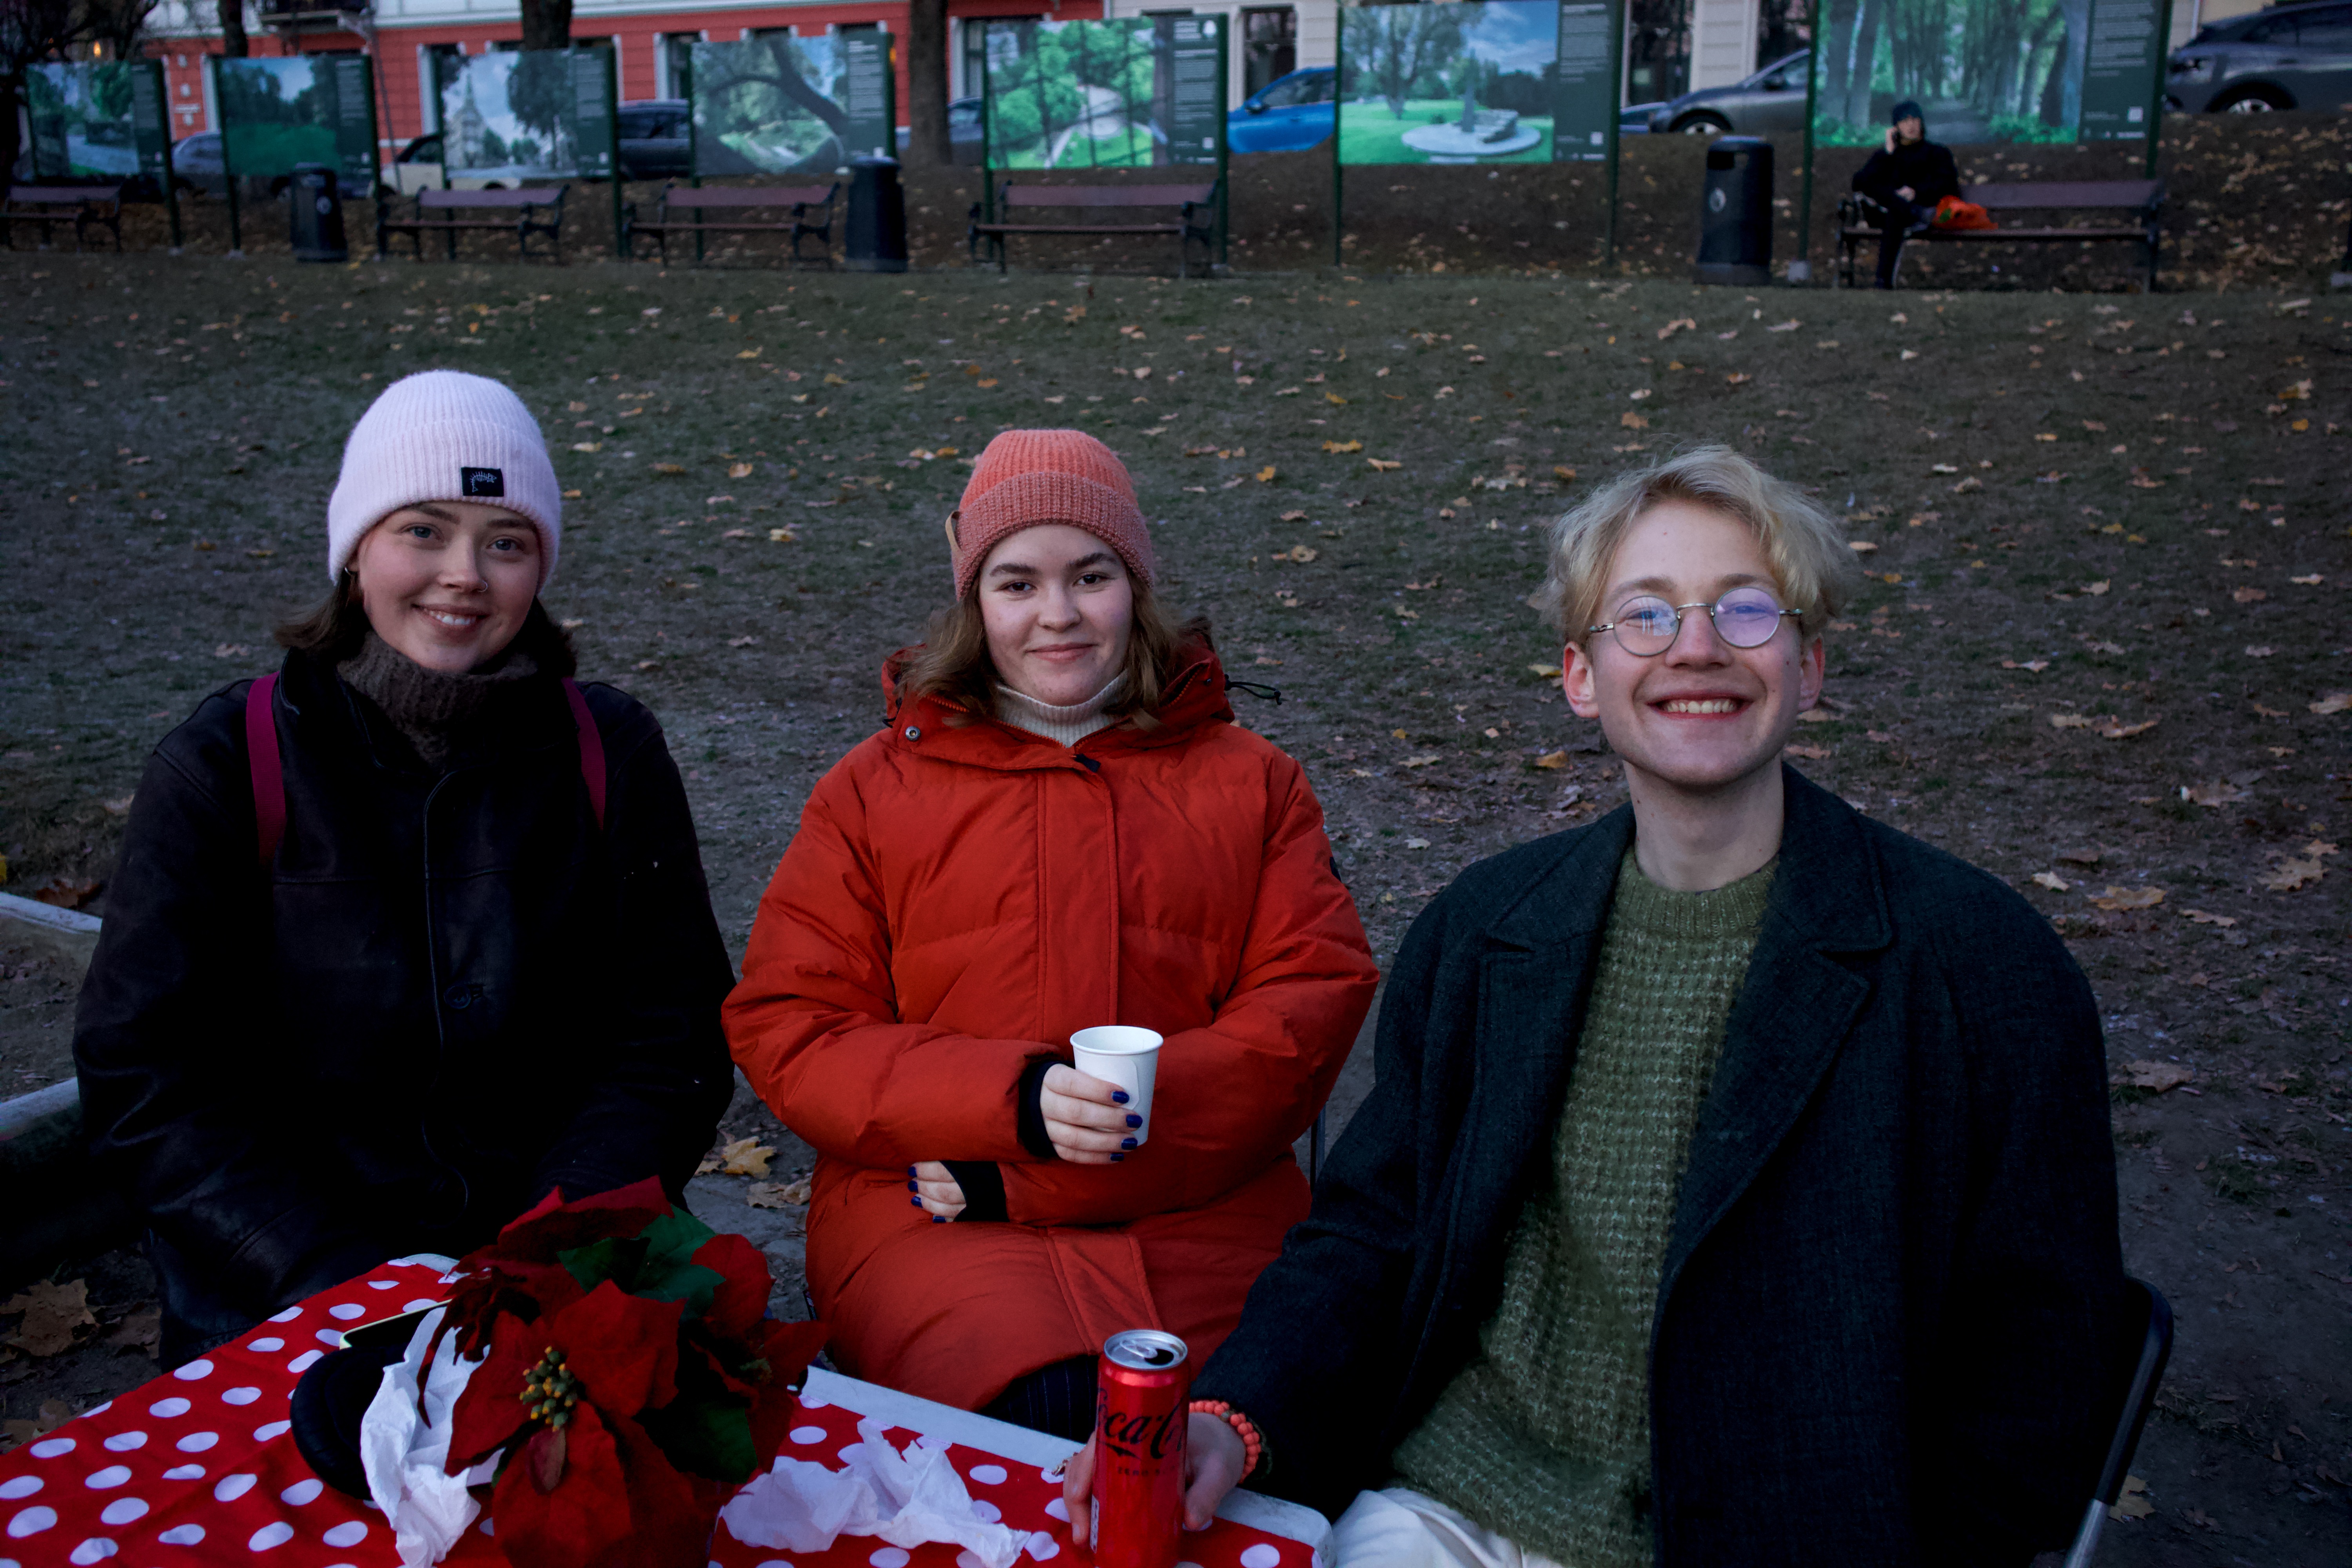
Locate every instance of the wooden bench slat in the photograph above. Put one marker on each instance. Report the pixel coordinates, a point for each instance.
(1019, 195)
(536, 209)
(80, 205)
(535, 196)
(810, 207)
(2063, 194)
(1081, 228)
(726, 196)
(2144, 197)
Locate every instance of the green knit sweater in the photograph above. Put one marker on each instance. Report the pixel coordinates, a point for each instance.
(1545, 1436)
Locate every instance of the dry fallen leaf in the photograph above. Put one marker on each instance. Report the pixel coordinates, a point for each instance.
(53, 1413)
(744, 1157)
(777, 1194)
(1420, 762)
(669, 467)
(740, 472)
(140, 1330)
(2288, 876)
(2124, 731)
(1544, 671)
(1416, 843)
(2203, 919)
(1552, 760)
(1811, 753)
(1632, 421)
(2070, 722)
(2117, 898)
(52, 1313)
(1266, 474)
(1293, 516)
(1383, 465)
(2052, 881)
(2130, 1503)
(2032, 665)
(2333, 702)
(2157, 1076)
(1862, 547)
(2249, 595)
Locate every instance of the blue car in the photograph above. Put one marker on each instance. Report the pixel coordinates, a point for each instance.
(1286, 114)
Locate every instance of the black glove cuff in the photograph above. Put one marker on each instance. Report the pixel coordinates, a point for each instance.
(983, 1188)
(1030, 1123)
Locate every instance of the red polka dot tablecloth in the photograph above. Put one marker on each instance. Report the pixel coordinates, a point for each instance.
(198, 1468)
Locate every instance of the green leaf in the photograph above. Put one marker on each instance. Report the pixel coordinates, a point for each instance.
(667, 1272)
(689, 1282)
(616, 1257)
(706, 1435)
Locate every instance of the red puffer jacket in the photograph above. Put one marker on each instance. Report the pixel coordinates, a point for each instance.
(960, 899)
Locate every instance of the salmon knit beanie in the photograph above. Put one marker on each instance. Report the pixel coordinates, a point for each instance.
(443, 435)
(1028, 477)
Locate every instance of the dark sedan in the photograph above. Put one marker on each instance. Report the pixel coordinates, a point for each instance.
(2290, 57)
(1773, 99)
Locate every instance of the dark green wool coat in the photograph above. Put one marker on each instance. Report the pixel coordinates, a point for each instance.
(1885, 1325)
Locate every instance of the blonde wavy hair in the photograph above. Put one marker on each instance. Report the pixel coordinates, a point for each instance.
(1811, 563)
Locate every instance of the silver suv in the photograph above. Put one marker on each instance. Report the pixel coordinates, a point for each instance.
(2290, 57)
(1773, 99)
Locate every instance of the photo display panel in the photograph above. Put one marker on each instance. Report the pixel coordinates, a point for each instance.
(776, 104)
(1144, 92)
(301, 109)
(1988, 72)
(1467, 83)
(97, 119)
(536, 114)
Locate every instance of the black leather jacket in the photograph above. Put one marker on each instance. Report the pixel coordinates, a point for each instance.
(445, 996)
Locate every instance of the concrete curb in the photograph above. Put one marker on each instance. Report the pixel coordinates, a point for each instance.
(59, 1209)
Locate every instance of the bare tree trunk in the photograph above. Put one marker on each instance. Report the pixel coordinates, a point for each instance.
(926, 84)
(546, 24)
(233, 43)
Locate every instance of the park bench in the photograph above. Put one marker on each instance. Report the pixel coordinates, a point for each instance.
(2144, 199)
(45, 205)
(1195, 215)
(801, 205)
(535, 211)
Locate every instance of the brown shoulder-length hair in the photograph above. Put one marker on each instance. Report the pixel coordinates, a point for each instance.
(952, 664)
(336, 628)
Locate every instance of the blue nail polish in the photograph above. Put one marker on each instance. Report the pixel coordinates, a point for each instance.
(939, 1219)
(1127, 1144)
(1119, 1096)
(1133, 1119)
(1117, 1158)
(916, 1202)
(913, 1185)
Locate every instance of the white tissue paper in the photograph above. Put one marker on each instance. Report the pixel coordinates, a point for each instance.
(403, 1453)
(903, 1499)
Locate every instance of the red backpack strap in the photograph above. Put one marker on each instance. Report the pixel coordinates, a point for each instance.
(591, 749)
(268, 773)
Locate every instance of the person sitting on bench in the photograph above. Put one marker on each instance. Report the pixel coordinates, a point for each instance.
(1735, 1185)
(1906, 177)
(412, 932)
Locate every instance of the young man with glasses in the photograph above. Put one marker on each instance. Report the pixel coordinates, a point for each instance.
(1737, 1186)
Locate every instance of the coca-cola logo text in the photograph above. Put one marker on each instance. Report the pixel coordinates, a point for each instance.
(1137, 1435)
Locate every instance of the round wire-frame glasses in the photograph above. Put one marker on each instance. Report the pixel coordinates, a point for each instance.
(1646, 625)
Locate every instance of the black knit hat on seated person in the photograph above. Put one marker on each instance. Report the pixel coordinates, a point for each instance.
(1907, 110)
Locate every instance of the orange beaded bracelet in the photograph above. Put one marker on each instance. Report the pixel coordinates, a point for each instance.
(1244, 1428)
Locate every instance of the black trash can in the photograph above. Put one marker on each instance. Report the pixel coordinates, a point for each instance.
(1735, 219)
(317, 214)
(876, 239)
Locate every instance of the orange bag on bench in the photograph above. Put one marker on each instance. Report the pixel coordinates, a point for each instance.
(1954, 213)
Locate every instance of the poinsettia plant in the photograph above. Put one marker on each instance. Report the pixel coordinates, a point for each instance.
(628, 1371)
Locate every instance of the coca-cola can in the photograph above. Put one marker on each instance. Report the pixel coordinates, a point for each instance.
(1139, 1420)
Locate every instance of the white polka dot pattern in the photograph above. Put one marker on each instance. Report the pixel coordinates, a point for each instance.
(196, 1442)
(347, 1311)
(122, 1510)
(17, 1487)
(123, 1442)
(351, 1532)
(1260, 1556)
(184, 1473)
(51, 1447)
(97, 1548)
(113, 1475)
(167, 1408)
(274, 1429)
(303, 1491)
(231, 1488)
(183, 1535)
(270, 1535)
(266, 1344)
(195, 1371)
(31, 1521)
(988, 1474)
(305, 1361)
(889, 1557)
(808, 1435)
(240, 1396)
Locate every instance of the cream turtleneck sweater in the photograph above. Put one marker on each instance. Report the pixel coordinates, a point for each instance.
(1066, 726)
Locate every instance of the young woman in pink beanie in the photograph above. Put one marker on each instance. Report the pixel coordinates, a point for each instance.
(412, 931)
(1059, 826)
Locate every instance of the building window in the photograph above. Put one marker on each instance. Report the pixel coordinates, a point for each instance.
(1269, 46)
(676, 58)
(1782, 28)
(973, 58)
(438, 65)
(1657, 49)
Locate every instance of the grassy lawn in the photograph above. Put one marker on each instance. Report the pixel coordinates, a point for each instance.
(2102, 654)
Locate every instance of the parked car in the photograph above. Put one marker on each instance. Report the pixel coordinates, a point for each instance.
(417, 167)
(2290, 57)
(1633, 119)
(1287, 113)
(1773, 99)
(967, 135)
(656, 139)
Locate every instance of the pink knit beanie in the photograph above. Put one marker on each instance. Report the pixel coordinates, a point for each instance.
(443, 435)
(1028, 477)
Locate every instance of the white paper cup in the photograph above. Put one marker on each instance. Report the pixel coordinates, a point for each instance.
(1127, 1057)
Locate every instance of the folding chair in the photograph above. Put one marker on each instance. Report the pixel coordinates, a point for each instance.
(2147, 1328)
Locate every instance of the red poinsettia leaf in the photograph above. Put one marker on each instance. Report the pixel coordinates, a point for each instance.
(742, 1294)
(788, 1348)
(491, 1411)
(577, 1524)
(670, 1513)
(621, 1348)
(554, 1225)
(524, 1292)
(543, 1456)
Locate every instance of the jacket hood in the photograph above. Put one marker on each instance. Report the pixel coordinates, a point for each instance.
(1195, 697)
